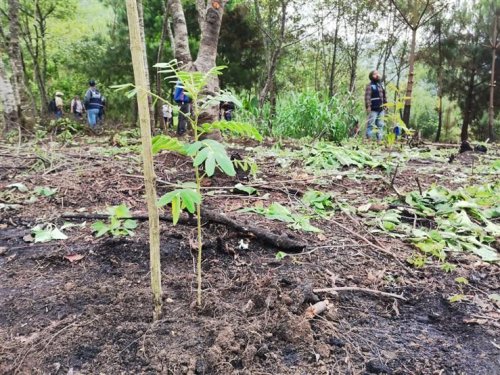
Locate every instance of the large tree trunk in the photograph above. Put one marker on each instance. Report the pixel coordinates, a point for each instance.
(491, 109)
(8, 100)
(411, 75)
(182, 52)
(467, 111)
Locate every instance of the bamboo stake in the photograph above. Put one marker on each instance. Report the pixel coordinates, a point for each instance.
(136, 48)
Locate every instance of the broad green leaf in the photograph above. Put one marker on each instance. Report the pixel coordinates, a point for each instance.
(130, 224)
(280, 255)
(45, 191)
(42, 235)
(100, 228)
(165, 142)
(210, 164)
(190, 198)
(56, 234)
(246, 189)
(176, 209)
(457, 298)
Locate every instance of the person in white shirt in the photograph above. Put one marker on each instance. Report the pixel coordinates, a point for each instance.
(77, 107)
(168, 122)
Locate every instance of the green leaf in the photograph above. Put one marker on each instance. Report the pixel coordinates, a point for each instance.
(457, 298)
(210, 164)
(165, 142)
(461, 280)
(130, 224)
(120, 211)
(56, 234)
(246, 189)
(190, 198)
(100, 228)
(280, 255)
(45, 191)
(176, 209)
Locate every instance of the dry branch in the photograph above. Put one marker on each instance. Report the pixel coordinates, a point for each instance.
(282, 242)
(358, 289)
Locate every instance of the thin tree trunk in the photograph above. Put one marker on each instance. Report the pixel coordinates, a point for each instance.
(140, 10)
(464, 136)
(159, 58)
(331, 88)
(491, 109)
(137, 50)
(354, 64)
(440, 86)
(411, 74)
(273, 63)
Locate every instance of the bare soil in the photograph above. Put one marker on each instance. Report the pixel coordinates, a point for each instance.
(94, 315)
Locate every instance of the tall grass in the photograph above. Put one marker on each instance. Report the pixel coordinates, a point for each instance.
(305, 114)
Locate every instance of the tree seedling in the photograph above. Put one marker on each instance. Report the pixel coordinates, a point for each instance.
(119, 223)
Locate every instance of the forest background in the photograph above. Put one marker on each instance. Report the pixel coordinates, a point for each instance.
(299, 69)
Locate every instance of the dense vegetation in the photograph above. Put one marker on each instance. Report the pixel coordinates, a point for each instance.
(300, 71)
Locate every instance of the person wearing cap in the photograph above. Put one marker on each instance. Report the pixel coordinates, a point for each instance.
(59, 104)
(93, 104)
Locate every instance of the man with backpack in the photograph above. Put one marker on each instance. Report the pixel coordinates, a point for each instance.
(375, 102)
(93, 104)
(184, 103)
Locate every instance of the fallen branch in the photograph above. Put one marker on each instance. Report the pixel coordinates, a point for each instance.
(358, 289)
(282, 242)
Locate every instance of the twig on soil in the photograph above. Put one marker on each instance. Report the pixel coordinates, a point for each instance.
(358, 289)
(419, 186)
(367, 241)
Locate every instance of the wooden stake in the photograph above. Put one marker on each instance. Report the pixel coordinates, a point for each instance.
(136, 48)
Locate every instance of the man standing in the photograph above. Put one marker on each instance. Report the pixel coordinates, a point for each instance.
(77, 108)
(375, 101)
(184, 103)
(93, 104)
(59, 104)
(166, 110)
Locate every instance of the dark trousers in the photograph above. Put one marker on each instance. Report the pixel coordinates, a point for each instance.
(184, 113)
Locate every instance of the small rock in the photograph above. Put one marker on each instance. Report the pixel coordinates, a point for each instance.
(377, 367)
(334, 341)
(262, 351)
(3, 250)
(169, 300)
(323, 350)
(68, 286)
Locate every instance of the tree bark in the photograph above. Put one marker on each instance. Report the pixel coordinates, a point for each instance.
(140, 10)
(182, 52)
(137, 50)
(159, 58)
(331, 87)
(464, 136)
(411, 75)
(491, 109)
(354, 60)
(440, 85)
(7, 96)
(272, 64)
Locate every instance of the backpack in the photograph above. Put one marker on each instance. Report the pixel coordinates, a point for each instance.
(179, 96)
(52, 106)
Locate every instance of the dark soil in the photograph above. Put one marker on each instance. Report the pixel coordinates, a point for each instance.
(94, 316)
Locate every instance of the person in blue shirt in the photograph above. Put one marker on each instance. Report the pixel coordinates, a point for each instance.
(93, 104)
(375, 104)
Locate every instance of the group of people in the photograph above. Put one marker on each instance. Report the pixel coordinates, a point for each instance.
(94, 105)
(226, 109)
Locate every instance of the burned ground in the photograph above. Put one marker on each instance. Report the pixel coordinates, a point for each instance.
(94, 315)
